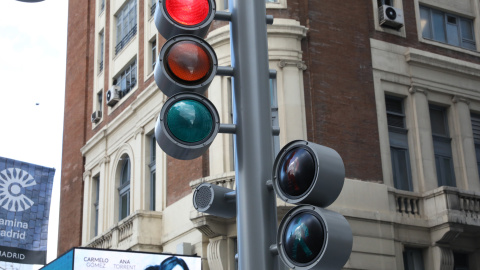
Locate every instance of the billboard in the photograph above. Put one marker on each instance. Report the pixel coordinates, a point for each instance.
(25, 195)
(96, 259)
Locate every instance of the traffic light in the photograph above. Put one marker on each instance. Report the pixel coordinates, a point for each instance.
(309, 236)
(185, 63)
(188, 122)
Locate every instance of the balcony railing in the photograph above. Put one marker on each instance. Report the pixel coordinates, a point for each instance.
(126, 39)
(127, 233)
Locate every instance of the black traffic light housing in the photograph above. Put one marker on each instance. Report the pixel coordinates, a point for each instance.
(309, 236)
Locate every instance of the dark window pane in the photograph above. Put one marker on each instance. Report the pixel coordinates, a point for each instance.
(453, 35)
(439, 26)
(401, 169)
(425, 22)
(438, 121)
(413, 259)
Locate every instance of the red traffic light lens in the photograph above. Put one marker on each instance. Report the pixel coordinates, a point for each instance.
(304, 238)
(296, 172)
(188, 61)
(188, 12)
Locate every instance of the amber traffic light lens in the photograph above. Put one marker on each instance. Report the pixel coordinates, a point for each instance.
(188, 61)
(188, 12)
(297, 172)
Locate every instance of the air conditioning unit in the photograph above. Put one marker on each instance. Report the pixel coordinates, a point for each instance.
(390, 17)
(96, 116)
(113, 95)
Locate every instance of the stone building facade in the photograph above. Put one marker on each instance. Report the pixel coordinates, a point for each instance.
(401, 106)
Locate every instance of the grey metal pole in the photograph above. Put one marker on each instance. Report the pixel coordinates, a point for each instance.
(256, 204)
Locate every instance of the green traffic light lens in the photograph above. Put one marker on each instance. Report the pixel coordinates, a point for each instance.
(296, 172)
(304, 238)
(189, 121)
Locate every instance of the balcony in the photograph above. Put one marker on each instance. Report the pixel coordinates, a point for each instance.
(133, 233)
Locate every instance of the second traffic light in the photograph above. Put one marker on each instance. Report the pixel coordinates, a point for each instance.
(309, 236)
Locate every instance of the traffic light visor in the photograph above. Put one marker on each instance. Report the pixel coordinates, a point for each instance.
(188, 61)
(188, 12)
(189, 121)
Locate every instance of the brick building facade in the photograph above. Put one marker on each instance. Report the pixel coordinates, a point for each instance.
(342, 81)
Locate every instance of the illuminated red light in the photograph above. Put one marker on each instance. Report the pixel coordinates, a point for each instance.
(188, 61)
(188, 12)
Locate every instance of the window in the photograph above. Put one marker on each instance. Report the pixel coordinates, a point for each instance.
(127, 79)
(101, 41)
(126, 24)
(397, 132)
(153, 6)
(476, 136)
(460, 261)
(102, 6)
(413, 259)
(100, 100)
(442, 146)
(153, 169)
(124, 189)
(96, 199)
(153, 46)
(447, 28)
(385, 2)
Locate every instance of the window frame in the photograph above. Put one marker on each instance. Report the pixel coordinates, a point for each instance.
(445, 26)
(398, 141)
(125, 25)
(412, 257)
(153, 171)
(124, 188)
(96, 203)
(128, 73)
(442, 147)
(101, 50)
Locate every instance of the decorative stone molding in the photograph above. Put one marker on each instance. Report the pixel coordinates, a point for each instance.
(299, 64)
(450, 236)
(457, 99)
(105, 160)
(140, 130)
(86, 175)
(217, 253)
(446, 258)
(418, 89)
(208, 225)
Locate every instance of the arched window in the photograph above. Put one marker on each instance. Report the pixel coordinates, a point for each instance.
(124, 188)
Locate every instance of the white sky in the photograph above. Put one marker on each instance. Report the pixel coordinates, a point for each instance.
(33, 40)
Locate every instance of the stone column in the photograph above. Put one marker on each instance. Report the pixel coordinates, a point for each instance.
(423, 143)
(464, 146)
(87, 207)
(291, 101)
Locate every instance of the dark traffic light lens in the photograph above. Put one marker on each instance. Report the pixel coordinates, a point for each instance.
(189, 121)
(188, 12)
(188, 61)
(296, 172)
(303, 238)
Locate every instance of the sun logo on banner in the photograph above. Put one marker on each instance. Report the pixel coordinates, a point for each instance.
(13, 182)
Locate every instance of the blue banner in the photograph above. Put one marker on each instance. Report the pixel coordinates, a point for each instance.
(25, 195)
